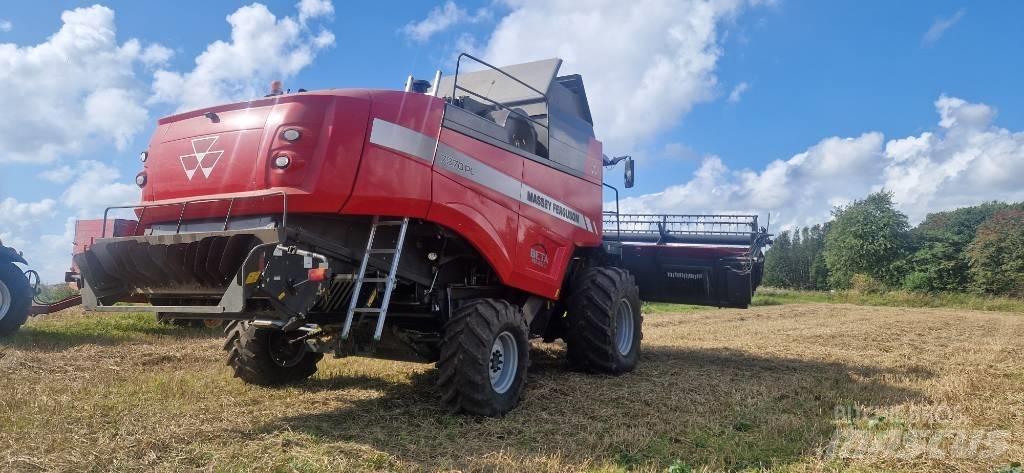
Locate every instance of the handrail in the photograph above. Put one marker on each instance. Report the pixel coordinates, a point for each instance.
(681, 224)
(185, 203)
(547, 105)
(618, 219)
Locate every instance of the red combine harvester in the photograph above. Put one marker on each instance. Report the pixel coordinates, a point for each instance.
(451, 222)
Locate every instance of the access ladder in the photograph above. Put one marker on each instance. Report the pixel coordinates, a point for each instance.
(389, 281)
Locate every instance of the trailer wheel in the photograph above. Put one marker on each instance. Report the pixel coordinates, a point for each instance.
(484, 357)
(266, 356)
(15, 298)
(604, 321)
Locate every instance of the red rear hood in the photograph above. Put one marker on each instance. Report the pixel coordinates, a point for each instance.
(230, 148)
(208, 153)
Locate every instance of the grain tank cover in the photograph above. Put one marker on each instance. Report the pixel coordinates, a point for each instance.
(499, 87)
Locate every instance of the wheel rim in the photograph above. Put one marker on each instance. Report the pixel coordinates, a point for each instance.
(284, 353)
(5, 300)
(504, 362)
(624, 327)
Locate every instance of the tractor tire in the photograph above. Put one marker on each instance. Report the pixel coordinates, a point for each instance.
(604, 323)
(15, 298)
(484, 356)
(265, 357)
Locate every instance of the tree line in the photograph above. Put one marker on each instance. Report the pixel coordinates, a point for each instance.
(870, 245)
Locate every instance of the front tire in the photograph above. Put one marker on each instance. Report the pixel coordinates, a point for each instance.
(604, 321)
(15, 298)
(266, 357)
(484, 357)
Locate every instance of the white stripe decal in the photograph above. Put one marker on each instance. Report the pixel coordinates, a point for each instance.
(399, 138)
(459, 163)
(552, 207)
(412, 142)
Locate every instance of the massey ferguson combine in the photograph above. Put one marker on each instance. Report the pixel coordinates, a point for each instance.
(451, 223)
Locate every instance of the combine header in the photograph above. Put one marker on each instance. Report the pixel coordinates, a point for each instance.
(451, 223)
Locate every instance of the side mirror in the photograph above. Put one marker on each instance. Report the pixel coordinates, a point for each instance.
(630, 173)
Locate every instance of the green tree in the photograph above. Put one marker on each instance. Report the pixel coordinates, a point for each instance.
(939, 260)
(777, 261)
(996, 255)
(795, 259)
(819, 271)
(867, 237)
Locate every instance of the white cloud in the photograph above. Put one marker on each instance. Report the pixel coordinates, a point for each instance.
(940, 26)
(309, 9)
(49, 254)
(15, 214)
(58, 175)
(20, 222)
(645, 63)
(44, 230)
(737, 92)
(96, 187)
(964, 161)
(156, 55)
(441, 18)
(262, 48)
(6, 25)
(76, 88)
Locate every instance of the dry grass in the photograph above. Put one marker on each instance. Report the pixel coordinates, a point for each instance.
(716, 390)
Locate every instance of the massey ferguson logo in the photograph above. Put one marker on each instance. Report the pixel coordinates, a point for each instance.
(203, 158)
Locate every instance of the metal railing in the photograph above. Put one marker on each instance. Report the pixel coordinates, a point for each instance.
(543, 95)
(606, 216)
(680, 226)
(184, 206)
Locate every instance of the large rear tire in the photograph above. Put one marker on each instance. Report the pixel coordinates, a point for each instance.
(266, 357)
(15, 298)
(604, 324)
(484, 357)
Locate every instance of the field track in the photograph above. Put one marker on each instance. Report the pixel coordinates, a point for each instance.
(716, 389)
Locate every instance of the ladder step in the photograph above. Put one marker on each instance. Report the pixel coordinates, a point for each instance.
(389, 281)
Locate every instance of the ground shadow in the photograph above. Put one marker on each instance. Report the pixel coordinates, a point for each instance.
(56, 337)
(718, 407)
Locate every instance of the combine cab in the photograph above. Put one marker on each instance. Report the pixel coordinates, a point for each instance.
(449, 223)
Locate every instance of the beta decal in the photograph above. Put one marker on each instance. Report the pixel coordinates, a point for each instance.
(539, 256)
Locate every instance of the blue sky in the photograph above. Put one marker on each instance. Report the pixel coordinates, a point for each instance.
(783, 106)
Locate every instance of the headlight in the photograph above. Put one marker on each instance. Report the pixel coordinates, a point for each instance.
(291, 134)
(282, 162)
(143, 156)
(140, 179)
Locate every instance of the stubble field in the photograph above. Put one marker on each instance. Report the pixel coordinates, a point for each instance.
(796, 387)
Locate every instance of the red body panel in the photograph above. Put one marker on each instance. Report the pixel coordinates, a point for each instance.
(391, 182)
(376, 153)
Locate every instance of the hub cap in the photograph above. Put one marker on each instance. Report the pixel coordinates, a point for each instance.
(284, 353)
(504, 362)
(5, 300)
(624, 327)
